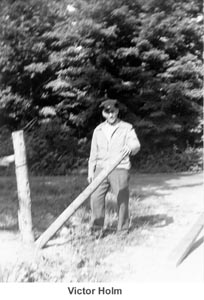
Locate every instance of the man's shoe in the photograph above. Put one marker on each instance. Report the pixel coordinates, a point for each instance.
(122, 233)
(96, 232)
(108, 230)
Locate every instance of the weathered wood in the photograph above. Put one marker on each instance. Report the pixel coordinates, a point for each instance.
(184, 247)
(24, 211)
(6, 160)
(69, 211)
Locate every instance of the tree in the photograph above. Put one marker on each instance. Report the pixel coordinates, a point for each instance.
(60, 58)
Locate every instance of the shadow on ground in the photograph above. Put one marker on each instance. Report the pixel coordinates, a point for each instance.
(51, 195)
(157, 220)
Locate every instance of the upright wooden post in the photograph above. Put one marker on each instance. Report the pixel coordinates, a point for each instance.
(69, 211)
(24, 212)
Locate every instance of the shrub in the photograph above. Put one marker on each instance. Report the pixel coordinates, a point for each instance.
(51, 149)
(170, 160)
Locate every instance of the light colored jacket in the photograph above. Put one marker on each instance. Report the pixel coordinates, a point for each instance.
(103, 150)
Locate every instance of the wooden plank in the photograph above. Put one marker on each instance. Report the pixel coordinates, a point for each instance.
(24, 211)
(184, 247)
(6, 160)
(69, 211)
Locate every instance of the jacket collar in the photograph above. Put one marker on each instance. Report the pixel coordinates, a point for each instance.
(105, 122)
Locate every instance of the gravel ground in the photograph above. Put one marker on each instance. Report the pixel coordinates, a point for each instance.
(174, 199)
(180, 201)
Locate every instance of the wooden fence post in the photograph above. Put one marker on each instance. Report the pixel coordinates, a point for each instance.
(69, 211)
(6, 160)
(184, 247)
(24, 211)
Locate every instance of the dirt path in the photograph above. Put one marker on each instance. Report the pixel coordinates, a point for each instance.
(181, 201)
(171, 204)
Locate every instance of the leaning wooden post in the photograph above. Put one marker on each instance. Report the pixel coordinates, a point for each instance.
(184, 247)
(69, 211)
(24, 211)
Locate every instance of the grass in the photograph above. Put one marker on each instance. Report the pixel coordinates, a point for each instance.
(73, 255)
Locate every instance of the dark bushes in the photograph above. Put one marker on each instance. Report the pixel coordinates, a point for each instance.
(51, 150)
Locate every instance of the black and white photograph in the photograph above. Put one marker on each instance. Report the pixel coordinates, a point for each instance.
(101, 146)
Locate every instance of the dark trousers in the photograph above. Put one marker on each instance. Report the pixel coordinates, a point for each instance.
(118, 181)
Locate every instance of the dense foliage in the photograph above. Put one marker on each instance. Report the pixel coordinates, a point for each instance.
(59, 59)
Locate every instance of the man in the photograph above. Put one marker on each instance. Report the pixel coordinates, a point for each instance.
(109, 139)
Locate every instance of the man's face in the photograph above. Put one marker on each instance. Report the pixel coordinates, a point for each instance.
(111, 115)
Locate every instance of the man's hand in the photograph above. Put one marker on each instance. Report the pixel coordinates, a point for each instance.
(90, 177)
